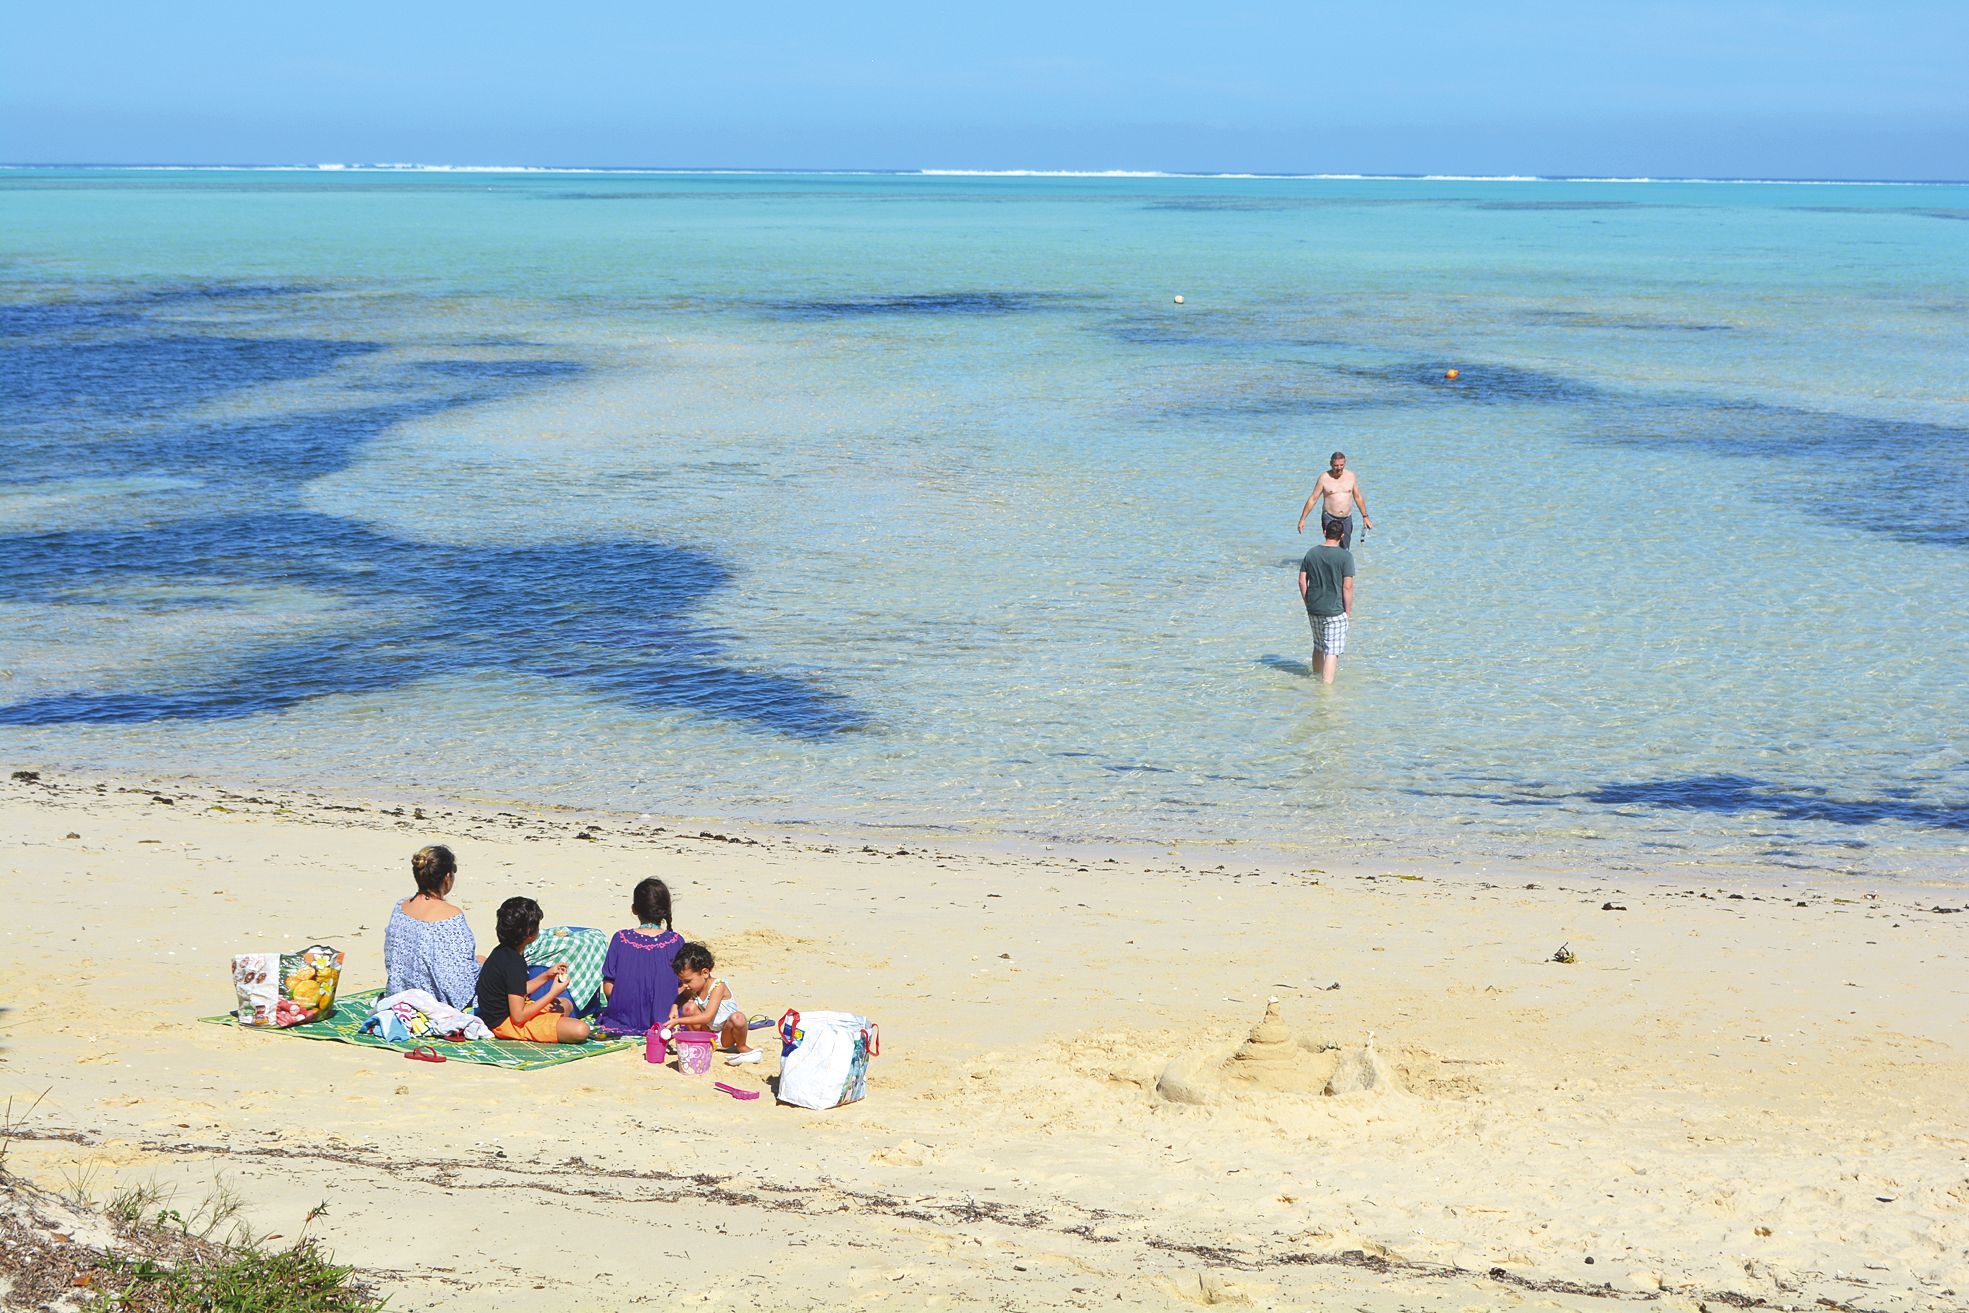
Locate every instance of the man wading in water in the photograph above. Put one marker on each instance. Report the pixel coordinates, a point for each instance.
(1342, 492)
(1326, 583)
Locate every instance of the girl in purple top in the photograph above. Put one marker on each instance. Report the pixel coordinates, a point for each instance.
(639, 976)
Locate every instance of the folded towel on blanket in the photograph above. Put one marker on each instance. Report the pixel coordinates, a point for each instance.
(417, 1014)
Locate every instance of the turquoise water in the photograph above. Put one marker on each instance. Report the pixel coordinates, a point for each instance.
(895, 500)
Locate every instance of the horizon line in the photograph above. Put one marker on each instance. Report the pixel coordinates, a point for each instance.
(933, 172)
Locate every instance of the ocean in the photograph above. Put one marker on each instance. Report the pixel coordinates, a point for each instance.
(916, 504)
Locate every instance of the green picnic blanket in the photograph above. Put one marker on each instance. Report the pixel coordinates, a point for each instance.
(351, 1010)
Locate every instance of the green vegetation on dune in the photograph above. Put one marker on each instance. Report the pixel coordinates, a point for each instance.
(137, 1254)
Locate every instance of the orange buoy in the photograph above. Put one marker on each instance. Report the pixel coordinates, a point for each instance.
(1452, 374)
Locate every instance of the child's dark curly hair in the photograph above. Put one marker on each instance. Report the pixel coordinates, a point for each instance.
(693, 957)
(518, 919)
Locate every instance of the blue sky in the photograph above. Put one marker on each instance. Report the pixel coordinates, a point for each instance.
(1799, 89)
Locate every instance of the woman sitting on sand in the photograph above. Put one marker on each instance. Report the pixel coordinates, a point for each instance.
(639, 976)
(427, 944)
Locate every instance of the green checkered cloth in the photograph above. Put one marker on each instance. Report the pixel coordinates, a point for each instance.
(582, 949)
(344, 1024)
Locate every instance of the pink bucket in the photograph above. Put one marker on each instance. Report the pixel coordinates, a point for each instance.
(694, 1051)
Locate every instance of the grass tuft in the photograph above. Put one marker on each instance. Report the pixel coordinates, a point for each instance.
(10, 1123)
(162, 1260)
(237, 1279)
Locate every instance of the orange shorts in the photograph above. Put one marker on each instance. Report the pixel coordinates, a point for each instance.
(543, 1029)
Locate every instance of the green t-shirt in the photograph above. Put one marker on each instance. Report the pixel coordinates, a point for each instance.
(1324, 568)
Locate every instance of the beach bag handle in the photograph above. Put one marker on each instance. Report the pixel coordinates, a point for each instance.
(790, 1036)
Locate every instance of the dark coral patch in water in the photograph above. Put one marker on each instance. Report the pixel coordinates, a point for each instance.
(610, 617)
(1737, 794)
(1479, 383)
(1921, 470)
(922, 303)
(128, 378)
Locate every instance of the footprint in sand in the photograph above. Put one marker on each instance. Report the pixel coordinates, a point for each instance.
(1210, 1289)
(906, 1154)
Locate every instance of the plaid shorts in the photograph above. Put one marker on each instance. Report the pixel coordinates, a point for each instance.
(1329, 634)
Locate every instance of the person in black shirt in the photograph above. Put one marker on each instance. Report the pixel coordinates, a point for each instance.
(504, 1004)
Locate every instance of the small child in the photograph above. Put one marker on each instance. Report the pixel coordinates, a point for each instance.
(706, 1004)
(503, 984)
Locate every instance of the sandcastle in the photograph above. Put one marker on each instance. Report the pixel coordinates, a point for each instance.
(1272, 1060)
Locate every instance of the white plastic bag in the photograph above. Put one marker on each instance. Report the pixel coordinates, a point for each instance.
(823, 1060)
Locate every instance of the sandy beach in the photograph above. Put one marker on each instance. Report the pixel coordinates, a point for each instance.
(1740, 1094)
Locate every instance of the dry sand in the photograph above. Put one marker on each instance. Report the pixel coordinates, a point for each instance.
(1727, 1099)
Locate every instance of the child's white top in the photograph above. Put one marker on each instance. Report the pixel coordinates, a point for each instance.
(726, 1010)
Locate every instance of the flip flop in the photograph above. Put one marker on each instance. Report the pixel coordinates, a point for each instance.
(735, 1092)
(760, 1023)
(425, 1053)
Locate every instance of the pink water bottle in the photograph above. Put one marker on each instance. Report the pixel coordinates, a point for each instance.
(656, 1046)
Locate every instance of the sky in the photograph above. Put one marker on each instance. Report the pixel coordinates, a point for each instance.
(1717, 88)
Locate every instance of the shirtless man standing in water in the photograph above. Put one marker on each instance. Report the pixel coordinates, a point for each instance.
(1342, 492)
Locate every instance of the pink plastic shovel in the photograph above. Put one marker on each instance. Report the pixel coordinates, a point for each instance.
(735, 1092)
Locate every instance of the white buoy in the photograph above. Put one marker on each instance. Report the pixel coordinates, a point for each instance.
(1179, 298)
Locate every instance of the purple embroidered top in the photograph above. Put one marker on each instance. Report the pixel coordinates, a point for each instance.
(642, 964)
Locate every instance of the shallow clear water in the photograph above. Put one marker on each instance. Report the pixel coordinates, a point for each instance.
(917, 501)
